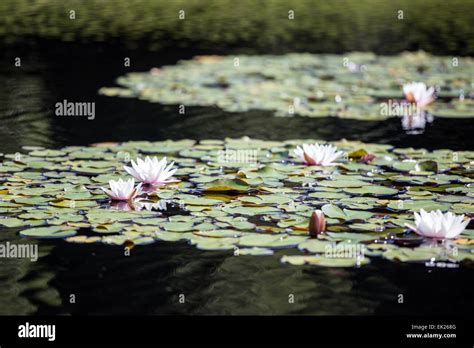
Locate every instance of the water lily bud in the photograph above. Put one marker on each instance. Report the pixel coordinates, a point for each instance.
(317, 223)
(367, 158)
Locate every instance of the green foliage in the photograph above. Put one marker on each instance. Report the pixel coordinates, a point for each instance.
(438, 26)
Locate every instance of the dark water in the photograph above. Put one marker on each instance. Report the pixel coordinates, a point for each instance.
(101, 280)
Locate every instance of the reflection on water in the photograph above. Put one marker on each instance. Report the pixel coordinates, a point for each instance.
(140, 204)
(174, 278)
(154, 277)
(416, 123)
(281, 290)
(25, 284)
(23, 109)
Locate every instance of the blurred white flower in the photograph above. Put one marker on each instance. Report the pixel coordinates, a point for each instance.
(151, 171)
(316, 154)
(435, 224)
(417, 92)
(122, 190)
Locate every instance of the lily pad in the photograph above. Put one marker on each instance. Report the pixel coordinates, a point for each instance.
(49, 232)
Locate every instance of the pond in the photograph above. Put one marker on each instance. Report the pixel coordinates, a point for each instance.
(155, 277)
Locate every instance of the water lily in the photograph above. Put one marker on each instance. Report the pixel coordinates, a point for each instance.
(316, 154)
(417, 92)
(435, 224)
(151, 171)
(317, 223)
(122, 190)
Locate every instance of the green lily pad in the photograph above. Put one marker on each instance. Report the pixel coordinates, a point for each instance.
(255, 251)
(49, 232)
(270, 241)
(347, 236)
(334, 211)
(226, 185)
(314, 246)
(12, 222)
(324, 261)
(372, 190)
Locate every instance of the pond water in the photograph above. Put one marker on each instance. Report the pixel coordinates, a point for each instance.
(151, 280)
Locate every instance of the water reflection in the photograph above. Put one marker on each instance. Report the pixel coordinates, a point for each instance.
(416, 123)
(268, 288)
(138, 204)
(152, 279)
(175, 278)
(25, 284)
(22, 109)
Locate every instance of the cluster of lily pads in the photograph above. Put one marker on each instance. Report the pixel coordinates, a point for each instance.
(247, 197)
(347, 86)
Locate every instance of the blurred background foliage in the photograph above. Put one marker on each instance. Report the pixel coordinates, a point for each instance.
(438, 26)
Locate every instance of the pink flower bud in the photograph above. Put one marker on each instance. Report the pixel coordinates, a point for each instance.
(367, 158)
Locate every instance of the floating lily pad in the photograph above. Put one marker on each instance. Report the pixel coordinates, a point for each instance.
(12, 222)
(271, 241)
(226, 185)
(347, 236)
(255, 251)
(49, 232)
(373, 190)
(334, 211)
(317, 260)
(314, 246)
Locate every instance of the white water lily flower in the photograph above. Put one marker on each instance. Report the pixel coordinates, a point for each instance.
(435, 224)
(122, 190)
(417, 92)
(316, 154)
(151, 171)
